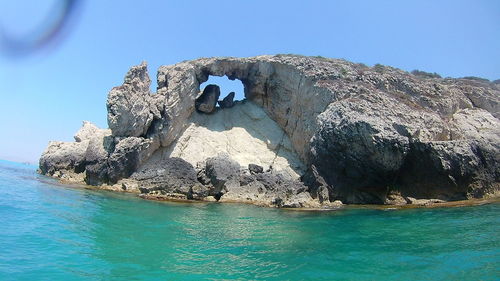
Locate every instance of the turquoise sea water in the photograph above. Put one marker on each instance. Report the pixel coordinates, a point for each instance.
(52, 232)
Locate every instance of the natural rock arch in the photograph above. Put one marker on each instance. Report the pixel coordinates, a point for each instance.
(288, 96)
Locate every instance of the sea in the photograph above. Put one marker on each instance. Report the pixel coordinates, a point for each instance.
(49, 231)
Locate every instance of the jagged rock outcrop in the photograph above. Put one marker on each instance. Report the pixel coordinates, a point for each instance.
(255, 169)
(350, 132)
(72, 158)
(130, 106)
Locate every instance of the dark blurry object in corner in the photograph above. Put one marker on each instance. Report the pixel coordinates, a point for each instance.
(48, 32)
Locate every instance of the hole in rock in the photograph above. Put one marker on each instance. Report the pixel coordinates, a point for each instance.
(226, 86)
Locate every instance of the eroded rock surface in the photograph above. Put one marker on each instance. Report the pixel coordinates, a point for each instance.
(349, 132)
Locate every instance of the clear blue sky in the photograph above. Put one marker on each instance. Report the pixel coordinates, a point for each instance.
(45, 95)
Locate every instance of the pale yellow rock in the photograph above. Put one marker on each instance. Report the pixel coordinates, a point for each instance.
(245, 132)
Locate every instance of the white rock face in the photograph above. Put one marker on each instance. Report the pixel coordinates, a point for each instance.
(89, 131)
(244, 131)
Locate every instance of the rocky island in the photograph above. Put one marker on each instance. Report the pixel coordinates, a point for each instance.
(312, 132)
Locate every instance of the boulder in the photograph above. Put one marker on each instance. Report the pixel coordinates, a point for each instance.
(202, 177)
(207, 101)
(255, 169)
(223, 172)
(171, 175)
(228, 101)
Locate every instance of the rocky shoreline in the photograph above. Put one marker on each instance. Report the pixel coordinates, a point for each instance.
(219, 179)
(312, 133)
(71, 182)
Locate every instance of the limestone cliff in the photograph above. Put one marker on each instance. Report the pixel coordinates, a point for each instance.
(311, 131)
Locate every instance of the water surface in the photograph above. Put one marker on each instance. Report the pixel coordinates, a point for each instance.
(52, 232)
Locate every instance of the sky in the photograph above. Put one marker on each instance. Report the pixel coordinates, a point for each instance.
(46, 93)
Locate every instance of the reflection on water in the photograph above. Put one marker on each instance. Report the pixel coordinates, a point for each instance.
(57, 233)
